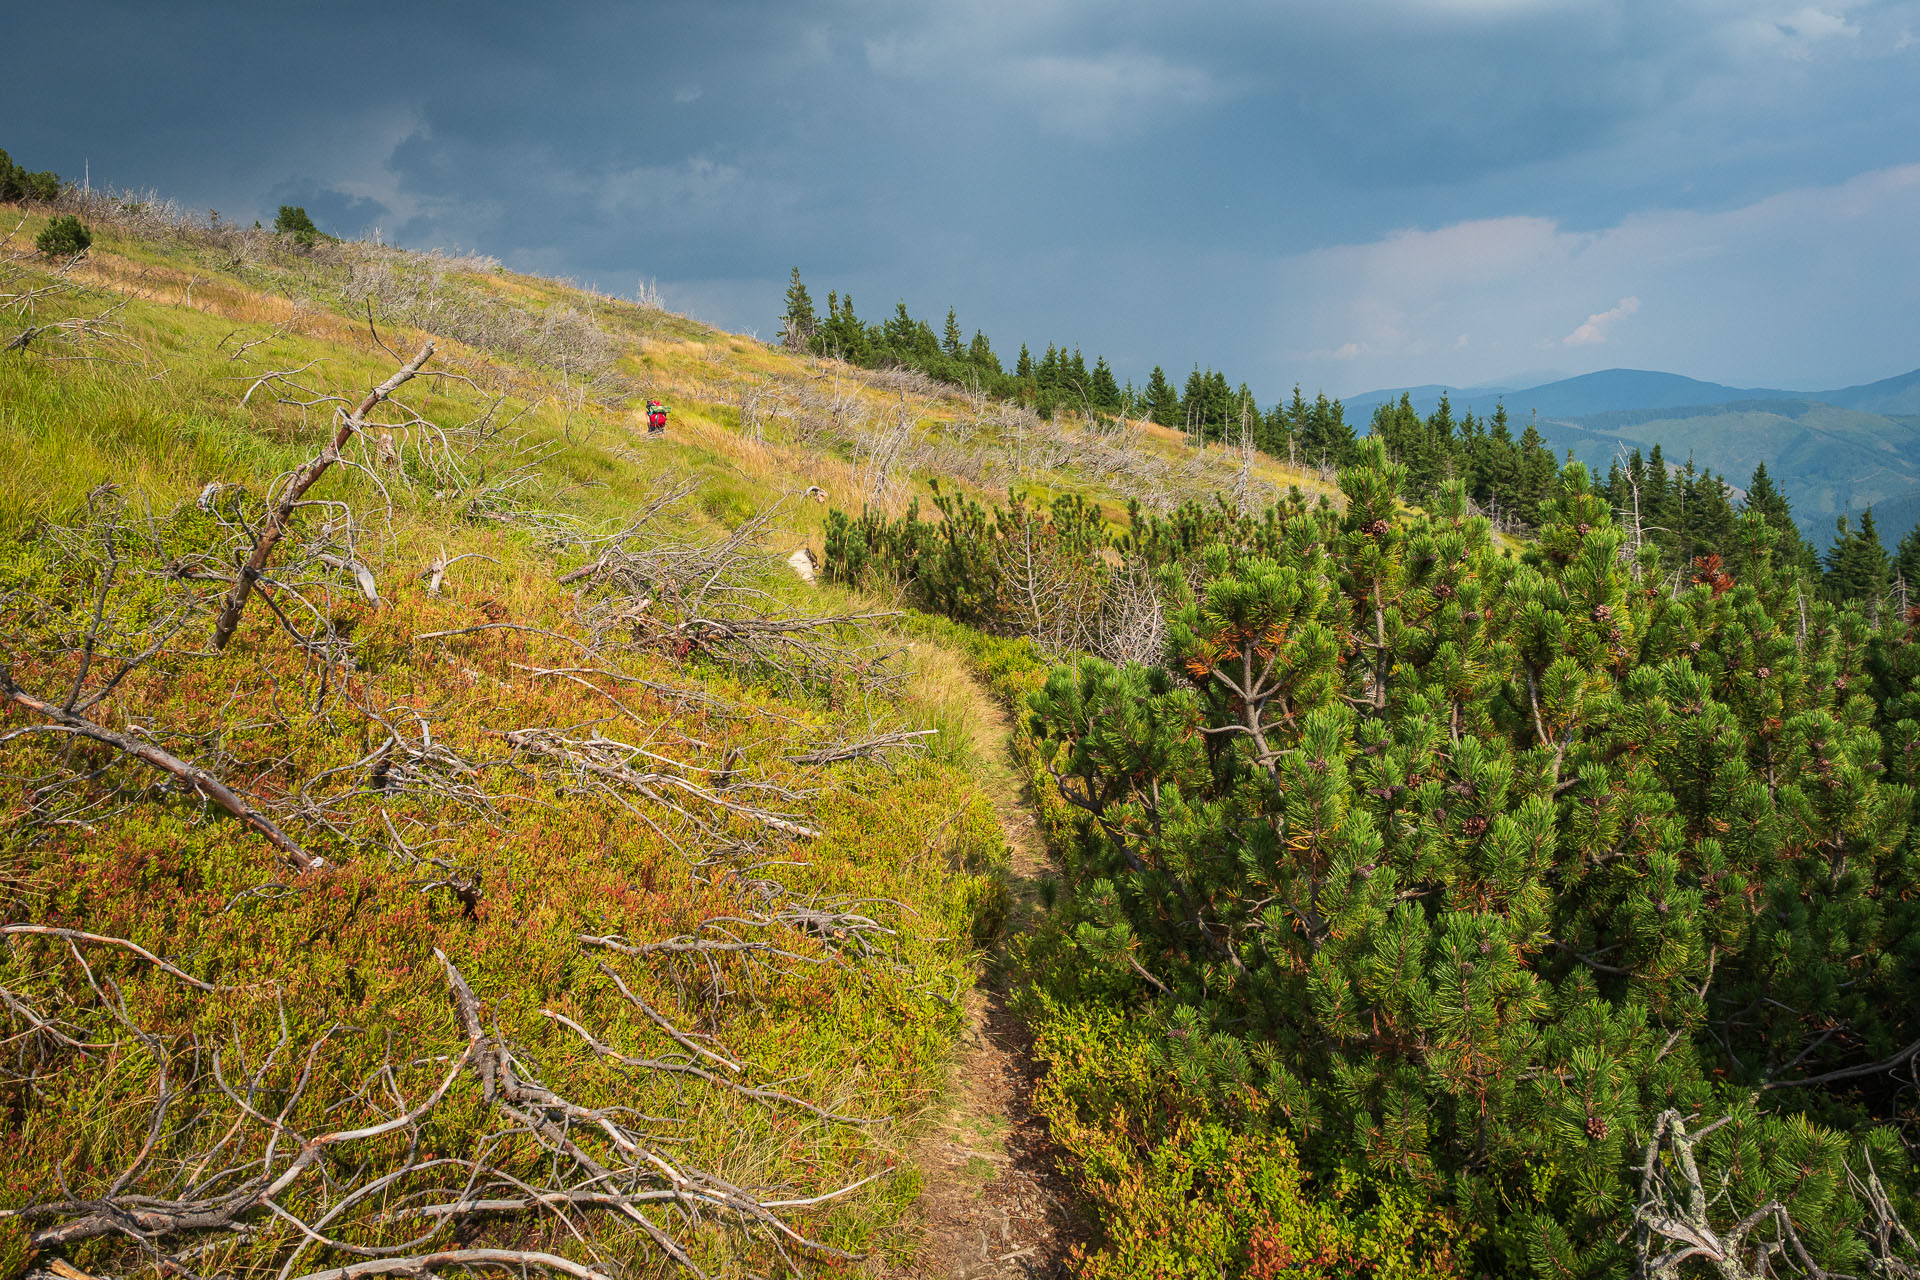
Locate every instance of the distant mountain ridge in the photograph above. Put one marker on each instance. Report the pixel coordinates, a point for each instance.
(1898, 395)
(1833, 452)
(1607, 391)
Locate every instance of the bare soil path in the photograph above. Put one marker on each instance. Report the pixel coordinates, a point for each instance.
(994, 1204)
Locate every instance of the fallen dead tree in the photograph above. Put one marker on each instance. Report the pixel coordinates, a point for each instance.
(229, 1151)
(645, 588)
(195, 778)
(865, 748)
(615, 769)
(91, 645)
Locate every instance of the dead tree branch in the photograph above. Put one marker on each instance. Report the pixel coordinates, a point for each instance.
(1680, 1221)
(899, 740)
(196, 778)
(295, 488)
(422, 1265)
(606, 765)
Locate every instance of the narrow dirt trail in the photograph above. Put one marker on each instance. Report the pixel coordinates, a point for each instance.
(994, 1205)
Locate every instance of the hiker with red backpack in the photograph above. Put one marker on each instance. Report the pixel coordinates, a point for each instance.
(656, 418)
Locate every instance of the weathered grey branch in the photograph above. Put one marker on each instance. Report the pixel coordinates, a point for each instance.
(426, 1264)
(296, 488)
(193, 775)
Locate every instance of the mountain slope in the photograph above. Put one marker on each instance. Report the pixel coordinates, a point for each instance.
(1896, 395)
(1609, 390)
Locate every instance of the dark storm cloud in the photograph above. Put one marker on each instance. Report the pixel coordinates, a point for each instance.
(1136, 177)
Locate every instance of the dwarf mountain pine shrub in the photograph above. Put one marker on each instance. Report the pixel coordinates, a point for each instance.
(63, 237)
(1461, 868)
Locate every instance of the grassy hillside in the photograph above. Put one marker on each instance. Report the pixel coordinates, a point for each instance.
(562, 875)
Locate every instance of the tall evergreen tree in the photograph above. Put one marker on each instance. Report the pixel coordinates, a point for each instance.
(899, 331)
(1048, 373)
(1163, 402)
(951, 342)
(1103, 390)
(1076, 384)
(1193, 403)
(799, 326)
(1906, 564)
(1765, 500)
(980, 355)
(1857, 566)
(1707, 517)
(1328, 439)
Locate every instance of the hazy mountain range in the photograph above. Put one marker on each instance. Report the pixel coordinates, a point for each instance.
(1833, 452)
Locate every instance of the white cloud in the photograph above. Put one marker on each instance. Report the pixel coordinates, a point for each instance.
(1781, 289)
(1345, 351)
(1797, 33)
(1594, 331)
(1817, 24)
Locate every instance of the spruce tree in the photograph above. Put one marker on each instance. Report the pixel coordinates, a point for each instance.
(899, 332)
(1765, 500)
(1048, 373)
(1163, 402)
(1906, 563)
(1536, 470)
(1076, 383)
(980, 355)
(1328, 439)
(950, 341)
(1707, 516)
(1102, 389)
(798, 326)
(1857, 567)
(1193, 404)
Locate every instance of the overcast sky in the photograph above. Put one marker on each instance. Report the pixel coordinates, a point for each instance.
(1349, 194)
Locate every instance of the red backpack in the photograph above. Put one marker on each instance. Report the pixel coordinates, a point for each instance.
(656, 416)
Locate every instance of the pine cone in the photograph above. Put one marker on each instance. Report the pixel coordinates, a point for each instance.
(1597, 1128)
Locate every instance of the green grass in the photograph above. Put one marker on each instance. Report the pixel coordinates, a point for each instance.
(350, 952)
(155, 411)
